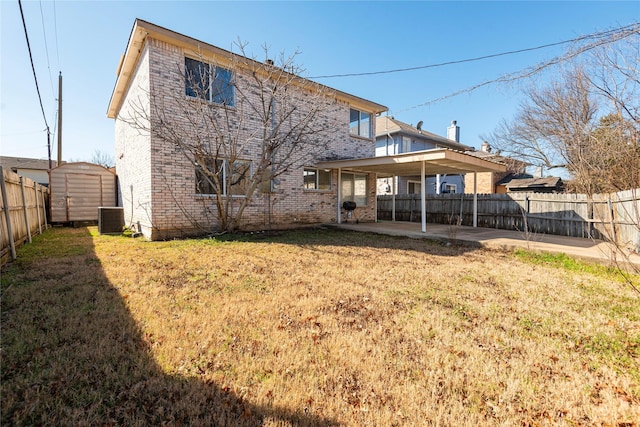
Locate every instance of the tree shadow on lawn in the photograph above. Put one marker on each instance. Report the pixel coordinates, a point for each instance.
(73, 355)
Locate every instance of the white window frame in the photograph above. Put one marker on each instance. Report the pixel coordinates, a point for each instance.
(317, 180)
(414, 183)
(350, 178)
(358, 129)
(450, 188)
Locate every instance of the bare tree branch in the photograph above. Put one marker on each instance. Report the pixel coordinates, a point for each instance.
(239, 134)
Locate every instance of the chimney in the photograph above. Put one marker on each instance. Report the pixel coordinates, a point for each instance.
(486, 148)
(453, 131)
(537, 172)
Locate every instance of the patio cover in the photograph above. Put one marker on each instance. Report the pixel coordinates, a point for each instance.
(427, 162)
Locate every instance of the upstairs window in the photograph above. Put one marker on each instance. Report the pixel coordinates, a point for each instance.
(229, 175)
(208, 82)
(317, 179)
(360, 123)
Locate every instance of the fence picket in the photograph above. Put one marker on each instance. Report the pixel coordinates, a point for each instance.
(604, 216)
(22, 213)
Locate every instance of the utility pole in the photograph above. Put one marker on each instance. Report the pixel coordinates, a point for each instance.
(49, 146)
(60, 119)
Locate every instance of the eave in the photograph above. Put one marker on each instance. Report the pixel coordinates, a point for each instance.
(143, 30)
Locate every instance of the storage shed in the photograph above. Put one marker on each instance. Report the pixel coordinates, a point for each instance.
(79, 189)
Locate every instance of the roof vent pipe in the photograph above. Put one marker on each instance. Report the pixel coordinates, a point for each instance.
(453, 131)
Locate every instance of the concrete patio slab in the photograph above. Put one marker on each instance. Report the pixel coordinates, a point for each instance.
(588, 249)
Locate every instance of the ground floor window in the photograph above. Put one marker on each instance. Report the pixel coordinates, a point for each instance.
(317, 179)
(354, 188)
(222, 176)
(413, 187)
(450, 188)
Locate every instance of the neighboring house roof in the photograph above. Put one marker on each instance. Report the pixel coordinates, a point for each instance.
(494, 157)
(142, 29)
(524, 182)
(15, 163)
(388, 126)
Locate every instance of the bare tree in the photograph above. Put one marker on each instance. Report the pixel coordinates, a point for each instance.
(586, 120)
(242, 125)
(551, 126)
(103, 159)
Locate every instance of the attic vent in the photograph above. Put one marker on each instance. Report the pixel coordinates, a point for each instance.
(110, 220)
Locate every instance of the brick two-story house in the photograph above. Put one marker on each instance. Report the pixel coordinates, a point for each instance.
(161, 188)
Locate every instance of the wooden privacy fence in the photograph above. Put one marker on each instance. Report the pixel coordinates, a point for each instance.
(614, 217)
(23, 212)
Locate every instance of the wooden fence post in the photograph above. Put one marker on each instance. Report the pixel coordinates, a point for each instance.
(35, 194)
(24, 209)
(611, 219)
(7, 214)
(44, 207)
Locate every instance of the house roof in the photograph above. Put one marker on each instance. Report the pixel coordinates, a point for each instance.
(142, 30)
(531, 183)
(388, 126)
(495, 157)
(435, 161)
(15, 163)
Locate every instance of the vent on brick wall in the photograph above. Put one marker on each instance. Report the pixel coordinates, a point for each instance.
(110, 220)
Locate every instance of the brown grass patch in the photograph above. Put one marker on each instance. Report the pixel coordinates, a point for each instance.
(311, 328)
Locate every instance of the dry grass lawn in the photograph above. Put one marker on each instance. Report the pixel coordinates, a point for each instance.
(315, 327)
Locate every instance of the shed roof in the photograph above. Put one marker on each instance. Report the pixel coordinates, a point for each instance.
(436, 161)
(142, 30)
(532, 183)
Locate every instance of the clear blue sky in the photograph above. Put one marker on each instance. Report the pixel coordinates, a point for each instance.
(85, 40)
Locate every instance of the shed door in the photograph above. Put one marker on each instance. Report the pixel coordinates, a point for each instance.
(83, 196)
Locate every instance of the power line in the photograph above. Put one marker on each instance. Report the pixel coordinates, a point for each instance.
(479, 58)
(46, 49)
(33, 68)
(614, 35)
(55, 29)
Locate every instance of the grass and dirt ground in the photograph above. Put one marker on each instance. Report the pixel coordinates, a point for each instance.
(312, 327)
